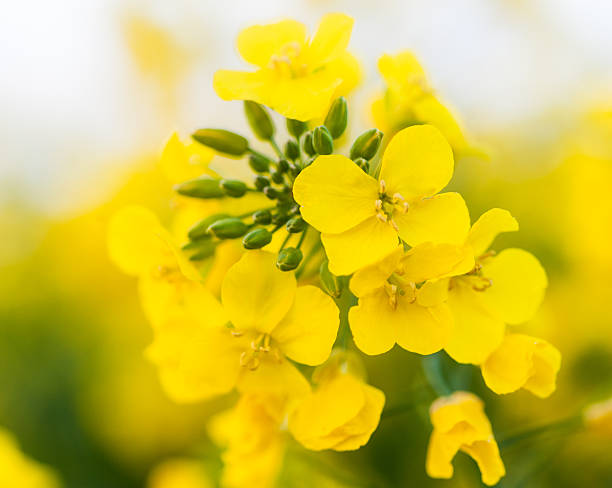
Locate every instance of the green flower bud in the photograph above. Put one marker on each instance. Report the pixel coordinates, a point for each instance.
(229, 228)
(329, 282)
(201, 249)
(262, 217)
(276, 176)
(233, 188)
(259, 163)
(270, 192)
(261, 182)
(259, 120)
(363, 164)
(295, 224)
(366, 145)
(337, 117)
(256, 239)
(282, 165)
(199, 230)
(296, 127)
(280, 218)
(322, 141)
(292, 150)
(307, 144)
(288, 259)
(203, 187)
(222, 141)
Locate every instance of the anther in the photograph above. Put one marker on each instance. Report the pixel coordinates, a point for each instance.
(379, 204)
(382, 187)
(382, 217)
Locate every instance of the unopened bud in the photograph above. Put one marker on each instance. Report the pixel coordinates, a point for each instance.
(292, 150)
(276, 176)
(234, 188)
(262, 217)
(229, 228)
(202, 187)
(259, 120)
(307, 144)
(256, 239)
(329, 282)
(337, 117)
(288, 259)
(366, 145)
(200, 249)
(259, 163)
(222, 141)
(363, 164)
(322, 141)
(261, 182)
(295, 224)
(270, 192)
(296, 127)
(282, 165)
(280, 218)
(200, 229)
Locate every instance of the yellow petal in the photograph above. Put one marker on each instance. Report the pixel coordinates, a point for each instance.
(241, 85)
(368, 279)
(476, 333)
(335, 194)
(443, 218)
(256, 294)
(461, 406)
(398, 68)
(308, 331)
(274, 377)
(522, 361)
(347, 68)
(430, 261)
(423, 330)
(427, 109)
(180, 162)
(361, 246)
(258, 43)
(486, 454)
(432, 293)
(488, 226)
(373, 323)
(417, 163)
(518, 285)
(330, 40)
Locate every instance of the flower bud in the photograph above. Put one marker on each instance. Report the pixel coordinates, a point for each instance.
(329, 282)
(288, 259)
(271, 193)
(307, 144)
(229, 228)
(233, 188)
(295, 224)
(282, 165)
(222, 141)
(201, 249)
(276, 176)
(256, 239)
(199, 230)
(322, 141)
(259, 163)
(292, 150)
(363, 164)
(259, 120)
(296, 127)
(337, 117)
(261, 182)
(366, 145)
(202, 187)
(280, 218)
(262, 217)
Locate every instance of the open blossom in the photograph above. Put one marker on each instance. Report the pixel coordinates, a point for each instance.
(460, 424)
(271, 320)
(522, 362)
(296, 76)
(180, 161)
(362, 219)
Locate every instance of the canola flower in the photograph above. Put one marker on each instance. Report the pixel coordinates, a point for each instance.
(334, 245)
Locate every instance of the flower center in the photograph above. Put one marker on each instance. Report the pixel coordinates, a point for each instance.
(170, 274)
(475, 278)
(287, 63)
(396, 286)
(261, 346)
(386, 205)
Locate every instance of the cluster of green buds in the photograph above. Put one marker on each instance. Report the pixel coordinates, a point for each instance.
(273, 177)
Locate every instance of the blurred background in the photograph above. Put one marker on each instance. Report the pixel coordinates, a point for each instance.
(91, 91)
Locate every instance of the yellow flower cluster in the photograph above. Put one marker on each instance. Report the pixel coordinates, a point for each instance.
(375, 232)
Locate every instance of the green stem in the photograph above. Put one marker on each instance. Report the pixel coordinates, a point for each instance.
(277, 149)
(302, 237)
(285, 241)
(257, 153)
(312, 253)
(570, 423)
(432, 367)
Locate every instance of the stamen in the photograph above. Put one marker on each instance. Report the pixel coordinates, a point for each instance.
(394, 225)
(379, 204)
(382, 217)
(382, 187)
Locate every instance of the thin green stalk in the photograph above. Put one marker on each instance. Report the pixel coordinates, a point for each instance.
(570, 423)
(312, 253)
(285, 241)
(302, 237)
(432, 367)
(277, 149)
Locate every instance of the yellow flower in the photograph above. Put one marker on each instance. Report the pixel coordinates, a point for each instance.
(522, 362)
(409, 100)
(392, 309)
(254, 444)
(272, 320)
(460, 424)
(297, 77)
(598, 417)
(16, 470)
(181, 162)
(341, 413)
(179, 473)
(506, 288)
(361, 218)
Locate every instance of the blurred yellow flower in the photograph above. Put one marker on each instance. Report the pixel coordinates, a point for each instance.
(340, 414)
(392, 309)
(181, 162)
(254, 444)
(179, 473)
(409, 100)
(460, 424)
(297, 77)
(272, 319)
(361, 218)
(522, 362)
(598, 417)
(16, 470)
